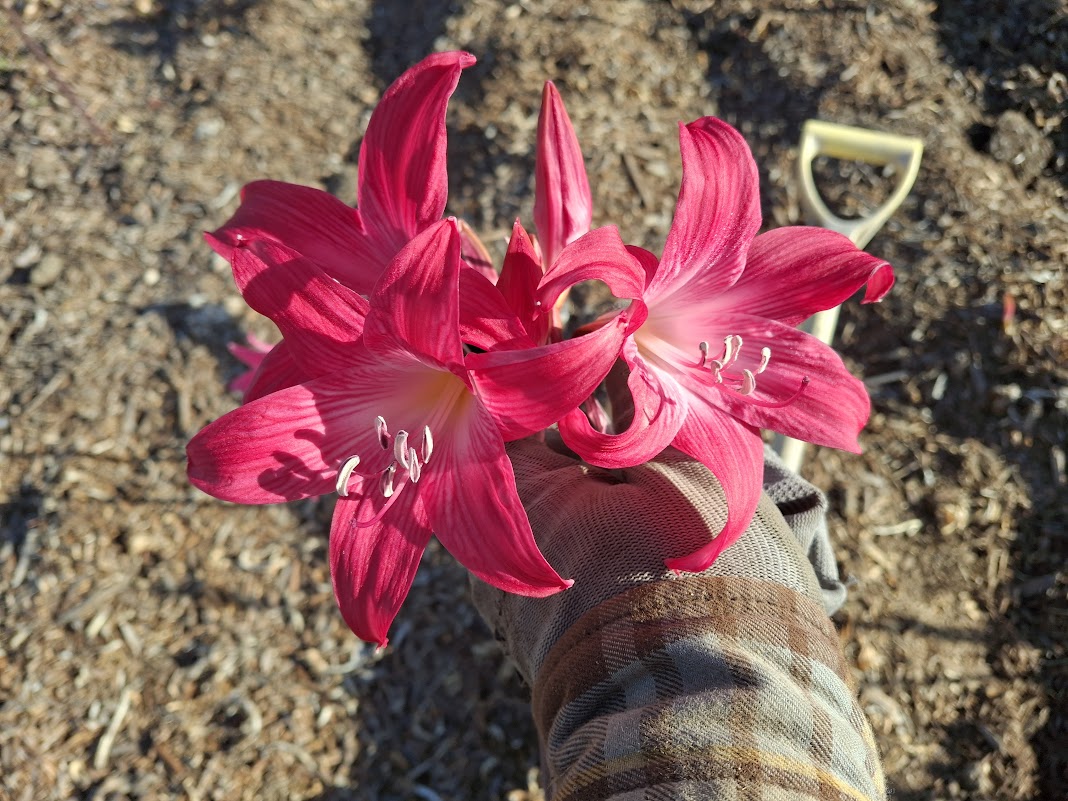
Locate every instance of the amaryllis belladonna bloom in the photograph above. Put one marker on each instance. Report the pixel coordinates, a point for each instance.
(402, 188)
(719, 357)
(398, 421)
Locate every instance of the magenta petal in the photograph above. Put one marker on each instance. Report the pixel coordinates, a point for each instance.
(240, 383)
(648, 261)
(486, 320)
(563, 207)
(469, 492)
(269, 450)
(292, 443)
(372, 566)
(278, 370)
(474, 254)
(717, 215)
(320, 318)
(734, 453)
(416, 299)
(520, 275)
(806, 392)
(659, 409)
(599, 255)
(312, 222)
(251, 355)
(402, 184)
(792, 273)
(528, 390)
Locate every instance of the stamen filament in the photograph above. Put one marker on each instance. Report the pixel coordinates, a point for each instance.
(345, 473)
(387, 480)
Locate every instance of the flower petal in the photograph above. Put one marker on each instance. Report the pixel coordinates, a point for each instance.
(486, 320)
(403, 185)
(563, 208)
(599, 255)
(469, 492)
(292, 443)
(312, 222)
(647, 260)
(528, 390)
(278, 370)
(474, 253)
(806, 392)
(734, 453)
(792, 273)
(658, 411)
(266, 451)
(717, 215)
(416, 300)
(520, 275)
(372, 566)
(320, 318)
(251, 353)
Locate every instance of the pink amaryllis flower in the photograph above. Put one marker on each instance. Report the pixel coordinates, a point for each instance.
(397, 420)
(402, 188)
(718, 356)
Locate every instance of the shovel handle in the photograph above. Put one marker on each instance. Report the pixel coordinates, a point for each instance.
(844, 142)
(820, 138)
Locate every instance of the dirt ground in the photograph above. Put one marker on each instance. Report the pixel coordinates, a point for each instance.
(157, 644)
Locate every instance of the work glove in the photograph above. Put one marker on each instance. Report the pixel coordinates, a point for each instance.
(612, 530)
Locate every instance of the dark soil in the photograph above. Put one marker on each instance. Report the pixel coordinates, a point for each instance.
(156, 643)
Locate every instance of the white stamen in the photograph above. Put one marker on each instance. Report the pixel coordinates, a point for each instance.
(345, 473)
(428, 444)
(387, 480)
(703, 347)
(748, 382)
(728, 351)
(400, 447)
(415, 468)
(382, 431)
(733, 344)
(765, 357)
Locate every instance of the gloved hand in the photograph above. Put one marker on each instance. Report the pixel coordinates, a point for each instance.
(724, 685)
(611, 530)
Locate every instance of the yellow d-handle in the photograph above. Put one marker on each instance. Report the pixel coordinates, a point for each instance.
(820, 138)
